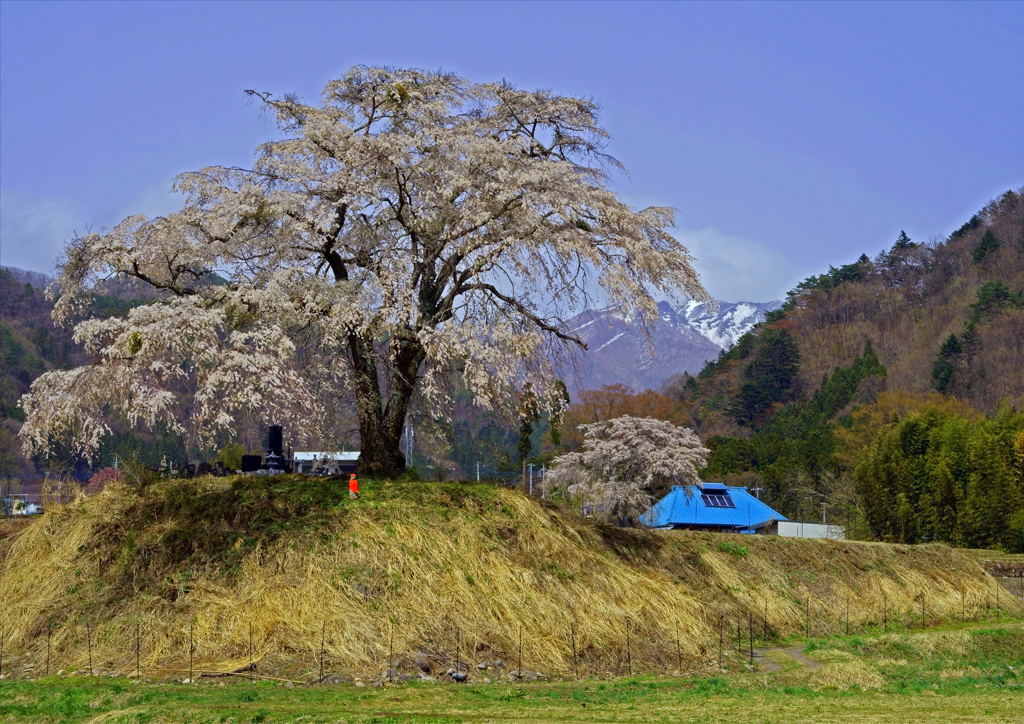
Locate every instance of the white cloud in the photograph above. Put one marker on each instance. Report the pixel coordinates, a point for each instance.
(732, 268)
(737, 269)
(33, 231)
(153, 201)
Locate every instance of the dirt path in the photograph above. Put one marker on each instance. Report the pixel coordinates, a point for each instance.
(797, 652)
(764, 664)
(767, 665)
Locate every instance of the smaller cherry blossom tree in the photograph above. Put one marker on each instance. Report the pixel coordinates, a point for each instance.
(623, 460)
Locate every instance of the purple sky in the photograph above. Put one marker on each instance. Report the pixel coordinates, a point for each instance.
(789, 136)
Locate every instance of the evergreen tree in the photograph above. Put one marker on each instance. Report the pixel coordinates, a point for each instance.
(973, 223)
(946, 363)
(988, 244)
(903, 242)
(529, 415)
(555, 421)
(769, 376)
(992, 297)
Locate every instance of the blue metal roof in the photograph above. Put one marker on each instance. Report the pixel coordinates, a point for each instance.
(686, 506)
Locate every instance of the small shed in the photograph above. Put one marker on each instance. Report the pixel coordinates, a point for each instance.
(712, 507)
(802, 529)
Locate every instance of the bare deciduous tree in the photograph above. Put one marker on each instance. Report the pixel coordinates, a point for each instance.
(413, 224)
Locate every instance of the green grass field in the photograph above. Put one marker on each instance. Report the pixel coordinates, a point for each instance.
(953, 674)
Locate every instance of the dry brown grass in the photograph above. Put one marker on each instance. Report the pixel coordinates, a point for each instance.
(431, 569)
(878, 581)
(843, 675)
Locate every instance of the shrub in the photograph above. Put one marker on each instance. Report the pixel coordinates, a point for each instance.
(231, 455)
(735, 549)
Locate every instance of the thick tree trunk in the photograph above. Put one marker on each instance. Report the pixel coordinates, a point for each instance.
(381, 422)
(380, 455)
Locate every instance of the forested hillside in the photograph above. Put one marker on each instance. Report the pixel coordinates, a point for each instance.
(31, 344)
(890, 389)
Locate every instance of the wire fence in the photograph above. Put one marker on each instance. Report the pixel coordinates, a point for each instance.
(741, 636)
(512, 478)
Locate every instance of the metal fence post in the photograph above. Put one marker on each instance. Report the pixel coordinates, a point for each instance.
(751, 622)
(575, 666)
(520, 652)
(323, 632)
(679, 650)
(721, 638)
(629, 654)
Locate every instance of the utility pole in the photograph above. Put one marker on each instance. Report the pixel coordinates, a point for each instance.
(478, 471)
(823, 506)
(757, 492)
(531, 478)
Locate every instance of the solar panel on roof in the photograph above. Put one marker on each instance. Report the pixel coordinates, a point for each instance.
(716, 499)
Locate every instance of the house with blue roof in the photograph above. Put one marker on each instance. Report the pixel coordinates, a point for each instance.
(712, 507)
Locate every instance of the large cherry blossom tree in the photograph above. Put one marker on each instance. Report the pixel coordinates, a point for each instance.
(411, 227)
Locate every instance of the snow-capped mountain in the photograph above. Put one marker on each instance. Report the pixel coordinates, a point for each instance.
(681, 341)
(729, 323)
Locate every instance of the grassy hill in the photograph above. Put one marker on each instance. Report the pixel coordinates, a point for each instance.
(434, 570)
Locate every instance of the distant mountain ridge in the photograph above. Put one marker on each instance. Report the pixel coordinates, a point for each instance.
(36, 279)
(729, 322)
(618, 353)
(681, 341)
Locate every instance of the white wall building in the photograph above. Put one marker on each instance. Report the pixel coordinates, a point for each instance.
(797, 529)
(307, 462)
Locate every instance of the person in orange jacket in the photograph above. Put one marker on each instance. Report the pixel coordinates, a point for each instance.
(353, 487)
